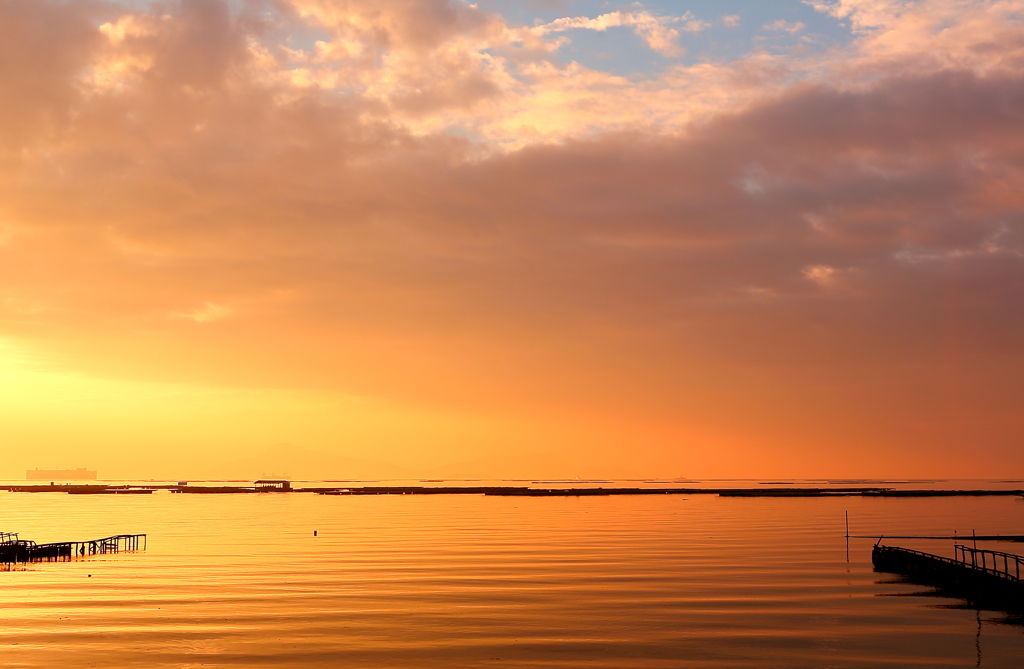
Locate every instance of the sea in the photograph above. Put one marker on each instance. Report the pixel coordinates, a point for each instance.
(421, 581)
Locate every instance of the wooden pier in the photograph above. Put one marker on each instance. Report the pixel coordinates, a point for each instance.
(13, 549)
(986, 578)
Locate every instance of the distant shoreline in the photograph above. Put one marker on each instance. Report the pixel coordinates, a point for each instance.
(511, 491)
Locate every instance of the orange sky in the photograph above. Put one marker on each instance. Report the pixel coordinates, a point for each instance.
(411, 238)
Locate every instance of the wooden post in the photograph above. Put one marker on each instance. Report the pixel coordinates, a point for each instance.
(847, 535)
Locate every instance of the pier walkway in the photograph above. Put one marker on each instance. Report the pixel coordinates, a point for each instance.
(13, 549)
(983, 577)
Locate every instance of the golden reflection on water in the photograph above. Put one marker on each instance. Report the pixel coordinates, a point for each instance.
(463, 581)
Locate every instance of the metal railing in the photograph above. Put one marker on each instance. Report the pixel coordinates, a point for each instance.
(896, 549)
(1006, 565)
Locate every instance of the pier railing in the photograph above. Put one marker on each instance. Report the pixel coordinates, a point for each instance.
(896, 550)
(997, 563)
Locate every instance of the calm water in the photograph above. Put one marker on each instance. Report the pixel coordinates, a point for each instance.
(473, 581)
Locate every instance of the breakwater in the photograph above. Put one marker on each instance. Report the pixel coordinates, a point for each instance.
(83, 489)
(521, 491)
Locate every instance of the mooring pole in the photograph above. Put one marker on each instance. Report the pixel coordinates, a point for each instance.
(847, 535)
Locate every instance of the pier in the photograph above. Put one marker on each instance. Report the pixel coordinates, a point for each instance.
(986, 578)
(13, 549)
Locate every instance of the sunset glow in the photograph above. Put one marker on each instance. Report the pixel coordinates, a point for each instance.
(435, 238)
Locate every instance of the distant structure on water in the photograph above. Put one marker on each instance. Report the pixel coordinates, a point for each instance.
(80, 474)
(273, 485)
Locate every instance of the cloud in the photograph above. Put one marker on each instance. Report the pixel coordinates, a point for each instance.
(784, 26)
(210, 311)
(822, 274)
(932, 34)
(654, 30)
(422, 204)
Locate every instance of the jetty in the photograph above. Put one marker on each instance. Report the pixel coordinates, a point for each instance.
(985, 578)
(14, 549)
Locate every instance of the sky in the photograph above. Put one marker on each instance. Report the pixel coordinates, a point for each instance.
(539, 238)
